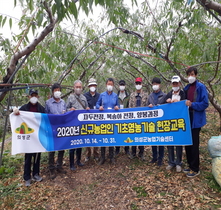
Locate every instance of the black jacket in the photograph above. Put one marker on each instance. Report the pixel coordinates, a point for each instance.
(26, 107)
(91, 100)
(181, 93)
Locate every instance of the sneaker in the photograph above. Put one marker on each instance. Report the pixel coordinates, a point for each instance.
(178, 168)
(153, 161)
(79, 163)
(72, 168)
(37, 178)
(192, 174)
(52, 173)
(160, 163)
(169, 167)
(28, 183)
(96, 159)
(186, 171)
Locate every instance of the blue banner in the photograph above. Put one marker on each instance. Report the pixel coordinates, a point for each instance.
(166, 124)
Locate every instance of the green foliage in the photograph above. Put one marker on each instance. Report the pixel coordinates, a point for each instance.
(10, 164)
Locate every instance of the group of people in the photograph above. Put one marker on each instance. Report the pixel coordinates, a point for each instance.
(194, 93)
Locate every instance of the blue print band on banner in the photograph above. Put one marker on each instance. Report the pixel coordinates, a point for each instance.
(166, 124)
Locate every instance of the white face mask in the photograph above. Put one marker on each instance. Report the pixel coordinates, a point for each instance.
(57, 94)
(138, 87)
(92, 89)
(33, 100)
(109, 88)
(156, 87)
(78, 91)
(191, 79)
(122, 87)
(175, 88)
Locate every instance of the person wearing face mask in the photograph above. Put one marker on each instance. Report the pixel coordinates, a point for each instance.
(32, 106)
(138, 98)
(55, 105)
(123, 98)
(76, 101)
(108, 100)
(92, 96)
(197, 100)
(176, 94)
(157, 97)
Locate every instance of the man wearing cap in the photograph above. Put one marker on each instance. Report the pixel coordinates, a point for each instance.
(32, 106)
(92, 96)
(123, 98)
(157, 97)
(138, 99)
(176, 94)
(55, 105)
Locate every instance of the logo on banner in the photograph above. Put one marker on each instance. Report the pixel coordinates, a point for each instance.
(24, 129)
(128, 140)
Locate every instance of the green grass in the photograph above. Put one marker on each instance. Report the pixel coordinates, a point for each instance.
(141, 192)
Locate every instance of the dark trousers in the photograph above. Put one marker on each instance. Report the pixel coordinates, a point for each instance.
(78, 155)
(158, 155)
(59, 160)
(192, 151)
(111, 152)
(134, 150)
(27, 165)
(172, 161)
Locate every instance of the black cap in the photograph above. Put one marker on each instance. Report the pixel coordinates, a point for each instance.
(156, 80)
(122, 82)
(33, 91)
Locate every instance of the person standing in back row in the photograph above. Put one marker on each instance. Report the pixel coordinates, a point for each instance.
(55, 105)
(197, 100)
(123, 98)
(138, 99)
(76, 101)
(108, 100)
(92, 96)
(157, 97)
(175, 95)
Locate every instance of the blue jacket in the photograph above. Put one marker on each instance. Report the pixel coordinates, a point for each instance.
(107, 101)
(199, 104)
